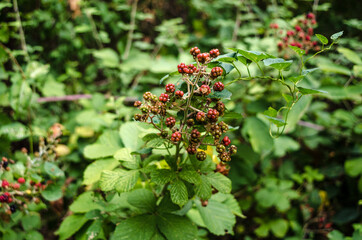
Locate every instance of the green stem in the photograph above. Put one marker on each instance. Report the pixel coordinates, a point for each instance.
(247, 68)
(236, 69)
(261, 70)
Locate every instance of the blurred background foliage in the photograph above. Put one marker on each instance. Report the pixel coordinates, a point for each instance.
(305, 184)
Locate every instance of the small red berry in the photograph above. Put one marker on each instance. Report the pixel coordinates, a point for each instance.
(298, 28)
(280, 46)
(299, 44)
(218, 86)
(136, 104)
(163, 97)
(313, 22)
(16, 186)
(4, 183)
(310, 16)
(215, 72)
(315, 43)
(226, 141)
(307, 38)
(195, 51)
(170, 122)
(200, 117)
(203, 57)
(179, 94)
(212, 114)
(176, 136)
(310, 31)
(180, 67)
(214, 53)
(274, 26)
(170, 88)
(290, 33)
(205, 90)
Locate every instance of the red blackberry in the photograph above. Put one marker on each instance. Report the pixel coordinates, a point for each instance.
(226, 141)
(176, 136)
(195, 51)
(205, 90)
(163, 97)
(213, 114)
(203, 57)
(214, 53)
(179, 94)
(200, 117)
(218, 86)
(170, 88)
(170, 122)
(137, 103)
(215, 72)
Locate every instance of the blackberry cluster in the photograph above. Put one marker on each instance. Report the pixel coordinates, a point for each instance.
(300, 37)
(191, 119)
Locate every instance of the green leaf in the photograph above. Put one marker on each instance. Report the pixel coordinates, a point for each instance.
(217, 217)
(337, 35)
(224, 94)
(279, 227)
(350, 55)
(254, 56)
(285, 144)
(84, 203)
(271, 112)
(220, 182)
(322, 38)
(14, 131)
(128, 160)
(298, 50)
(297, 112)
(353, 167)
(178, 192)
(244, 60)
(150, 136)
(162, 176)
(93, 172)
(33, 235)
(53, 192)
(121, 180)
(305, 72)
(129, 133)
(233, 205)
(176, 227)
(277, 121)
(306, 91)
(175, 73)
(141, 227)
(97, 150)
(31, 221)
(70, 226)
(190, 176)
(204, 190)
(277, 63)
(94, 230)
(53, 170)
(226, 59)
(258, 134)
(142, 199)
(108, 57)
(5, 4)
(335, 235)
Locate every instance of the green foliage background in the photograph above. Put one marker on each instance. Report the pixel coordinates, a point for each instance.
(115, 50)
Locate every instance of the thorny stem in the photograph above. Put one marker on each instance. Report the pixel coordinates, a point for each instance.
(131, 31)
(21, 31)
